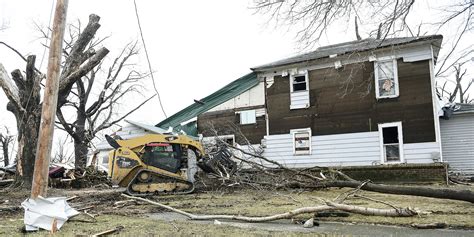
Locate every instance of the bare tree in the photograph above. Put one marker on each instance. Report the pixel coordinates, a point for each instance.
(6, 139)
(461, 89)
(62, 153)
(313, 19)
(24, 92)
(95, 113)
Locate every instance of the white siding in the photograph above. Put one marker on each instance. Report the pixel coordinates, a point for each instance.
(253, 97)
(423, 152)
(350, 149)
(457, 140)
(299, 99)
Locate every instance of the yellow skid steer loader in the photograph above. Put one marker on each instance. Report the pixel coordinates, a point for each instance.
(161, 164)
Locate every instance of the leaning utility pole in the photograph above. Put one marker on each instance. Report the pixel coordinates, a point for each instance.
(50, 101)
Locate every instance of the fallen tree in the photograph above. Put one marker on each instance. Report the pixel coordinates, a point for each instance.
(443, 193)
(284, 177)
(399, 212)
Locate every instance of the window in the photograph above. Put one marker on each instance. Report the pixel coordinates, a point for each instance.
(391, 142)
(299, 82)
(386, 79)
(301, 141)
(299, 88)
(248, 117)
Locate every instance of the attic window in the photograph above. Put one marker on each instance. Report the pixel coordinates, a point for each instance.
(386, 79)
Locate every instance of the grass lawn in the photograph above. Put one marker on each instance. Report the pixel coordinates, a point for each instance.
(456, 214)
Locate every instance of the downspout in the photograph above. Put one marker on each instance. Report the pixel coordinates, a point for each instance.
(267, 123)
(435, 102)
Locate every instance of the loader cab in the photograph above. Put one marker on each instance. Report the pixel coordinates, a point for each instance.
(166, 156)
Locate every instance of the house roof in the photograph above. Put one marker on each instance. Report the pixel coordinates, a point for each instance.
(464, 108)
(150, 128)
(220, 96)
(351, 47)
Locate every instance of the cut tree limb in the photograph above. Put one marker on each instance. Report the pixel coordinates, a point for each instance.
(401, 212)
(10, 89)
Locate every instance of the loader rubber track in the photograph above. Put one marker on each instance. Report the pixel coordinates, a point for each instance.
(155, 179)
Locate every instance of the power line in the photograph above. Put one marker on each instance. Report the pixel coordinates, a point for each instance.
(148, 59)
(47, 34)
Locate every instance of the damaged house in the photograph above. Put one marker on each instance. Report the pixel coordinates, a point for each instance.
(361, 103)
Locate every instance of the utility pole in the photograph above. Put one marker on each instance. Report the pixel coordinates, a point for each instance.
(50, 101)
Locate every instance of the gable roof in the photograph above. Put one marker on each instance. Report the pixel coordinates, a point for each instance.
(351, 47)
(222, 95)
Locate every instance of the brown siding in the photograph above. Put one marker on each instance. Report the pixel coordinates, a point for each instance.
(332, 112)
(224, 122)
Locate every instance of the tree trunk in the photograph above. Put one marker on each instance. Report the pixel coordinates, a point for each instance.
(80, 142)
(28, 117)
(443, 193)
(80, 153)
(27, 142)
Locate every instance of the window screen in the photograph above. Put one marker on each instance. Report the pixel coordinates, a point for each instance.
(248, 117)
(302, 143)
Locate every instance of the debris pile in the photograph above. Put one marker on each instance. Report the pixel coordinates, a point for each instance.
(61, 177)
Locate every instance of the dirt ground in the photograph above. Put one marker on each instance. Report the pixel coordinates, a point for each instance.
(110, 211)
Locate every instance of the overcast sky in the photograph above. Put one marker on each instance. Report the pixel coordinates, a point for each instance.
(195, 47)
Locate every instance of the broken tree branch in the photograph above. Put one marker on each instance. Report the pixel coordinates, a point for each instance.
(401, 212)
(443, 193)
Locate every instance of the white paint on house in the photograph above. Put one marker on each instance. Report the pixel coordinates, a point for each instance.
(255, 96)
(350, 149)
(457, 140)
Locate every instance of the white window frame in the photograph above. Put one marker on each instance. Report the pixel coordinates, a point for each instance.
(292, 77)
(395, 78)
(293, 134)
(246, 112)
(400, 142)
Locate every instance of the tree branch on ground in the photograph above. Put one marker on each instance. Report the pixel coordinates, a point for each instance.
(329, 206)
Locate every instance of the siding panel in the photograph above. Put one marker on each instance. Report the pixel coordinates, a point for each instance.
(329, 150)
(457, 140)
(350, 149)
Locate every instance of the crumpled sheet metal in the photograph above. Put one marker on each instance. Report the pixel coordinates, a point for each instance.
(41, 212)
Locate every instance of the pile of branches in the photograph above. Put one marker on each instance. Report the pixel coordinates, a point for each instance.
(254, 170)
(81, 178)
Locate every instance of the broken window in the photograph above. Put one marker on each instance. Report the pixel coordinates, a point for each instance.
(391, 142)
(299, 83)
(386, 79)
(302, 142)
(248, 117)
(299, 89)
